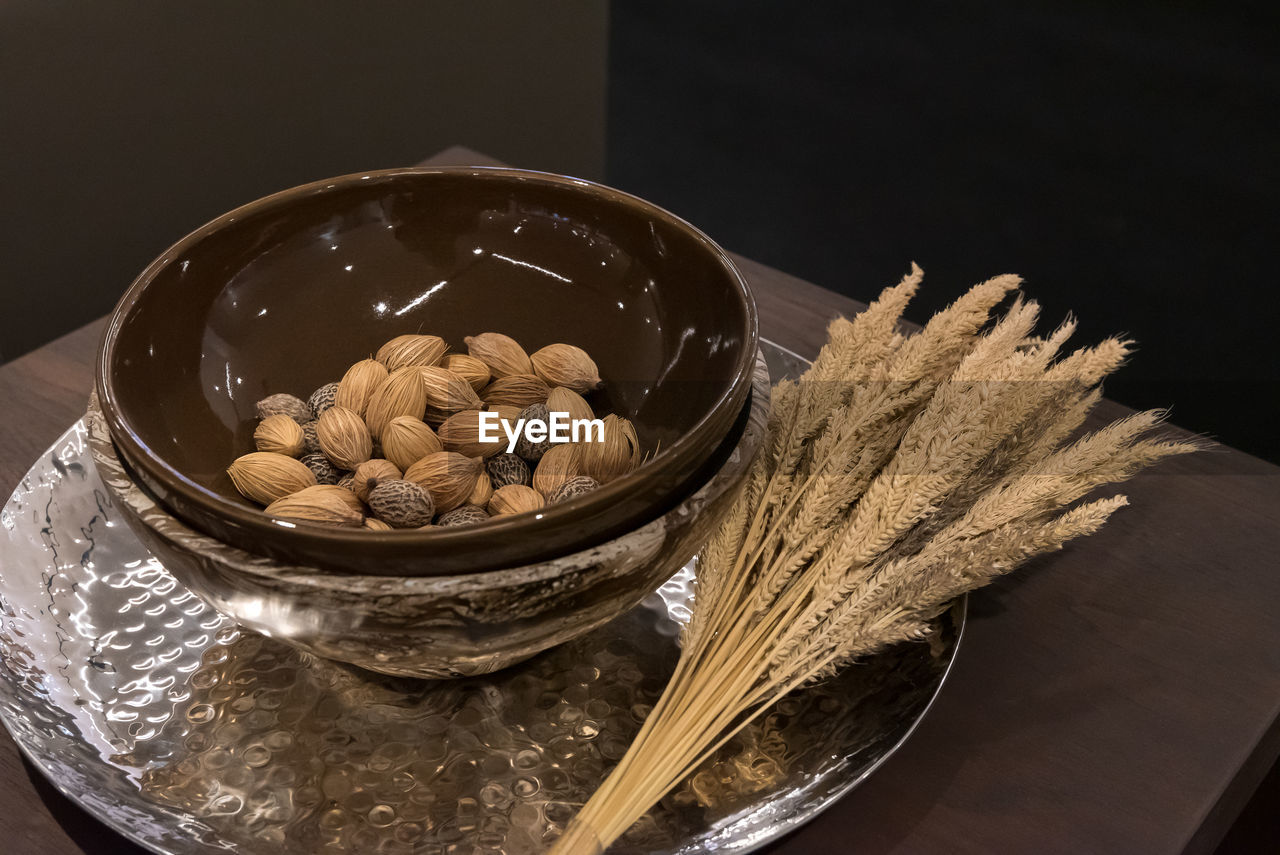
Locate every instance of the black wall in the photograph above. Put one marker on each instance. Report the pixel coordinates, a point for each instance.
(1122, 157)
(124, 125)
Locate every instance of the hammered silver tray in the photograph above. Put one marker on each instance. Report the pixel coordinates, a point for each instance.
(188, 735)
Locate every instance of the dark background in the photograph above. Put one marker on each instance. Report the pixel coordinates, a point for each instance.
(125, 125)
(1122, 157)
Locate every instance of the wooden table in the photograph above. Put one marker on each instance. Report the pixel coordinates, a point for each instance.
(1120, 696)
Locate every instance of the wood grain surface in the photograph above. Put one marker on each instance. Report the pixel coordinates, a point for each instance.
(1119, 696)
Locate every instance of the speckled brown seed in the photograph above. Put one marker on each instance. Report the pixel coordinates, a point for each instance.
(285, 404)
(577, 486)
(401, 504)
(507, 469)
(533, 451)
(322, 398)
(323, 468)
(463, 515)
(310, 442)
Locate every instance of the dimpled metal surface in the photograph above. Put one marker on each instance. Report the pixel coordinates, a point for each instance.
(189, 735)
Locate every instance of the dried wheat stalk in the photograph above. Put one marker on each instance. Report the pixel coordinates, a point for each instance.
(899, 472)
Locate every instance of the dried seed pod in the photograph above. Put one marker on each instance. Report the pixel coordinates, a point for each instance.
(348, 482)
(463, 515)
(280, 434)
(516, 390)
(448, 476)
(411, 350)
(564, 400)
(402, 395)
(502, 353)
(525, 447)
(461, 433)
(323, 398)
(561, 462)
(482, 491)
(326, 504)
(506, 413)
(343, 437)
(515, 499)
(406, 440)
(370, 470)
(358, 385)
(566, 365)
(466, 366)
(375, 524)
(265, 476)
(506, 469)
(285, 405)
(310, 442)
(401, 504)
(579, 485)
(617, 455)
(446, 393)
(322, 468)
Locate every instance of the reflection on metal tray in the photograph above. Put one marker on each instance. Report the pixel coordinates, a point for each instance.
(163, 719)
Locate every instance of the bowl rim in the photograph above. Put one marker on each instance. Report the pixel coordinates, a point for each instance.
(215, 504)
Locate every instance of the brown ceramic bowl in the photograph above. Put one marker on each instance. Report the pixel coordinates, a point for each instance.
(437, 626)
(283, 294)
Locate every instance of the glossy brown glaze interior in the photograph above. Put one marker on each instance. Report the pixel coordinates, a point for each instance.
(283, 294)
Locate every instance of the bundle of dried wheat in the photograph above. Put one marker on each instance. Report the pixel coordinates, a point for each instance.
(900, 472)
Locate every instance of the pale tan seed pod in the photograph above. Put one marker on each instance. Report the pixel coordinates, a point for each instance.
(466, 366)
(514, 499)
(369, 470)
(358, 385)
(279, 434)
(411, 350)
(506, 413)
(401, 395)
(401, 504)
(516, 390)
(375, 524)
(482, 492)
(285, 404)
(564, 400)
(446, 394)
(560, 463)
(343, 437)
(502, 353)
(617, 455)
(449, 477)
(461, 433)
(406, 440)
(265, 476)
(566, 365)
(327, 504)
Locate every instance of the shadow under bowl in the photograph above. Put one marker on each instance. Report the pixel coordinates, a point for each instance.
(283, 294)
